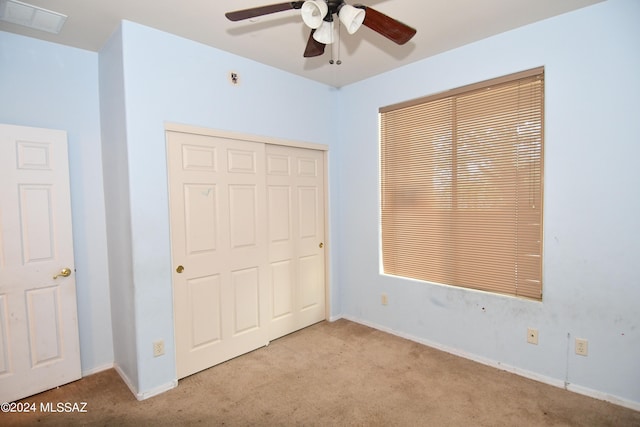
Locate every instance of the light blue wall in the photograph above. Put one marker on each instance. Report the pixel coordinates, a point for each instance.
(170, 79)
(591, 210)
(116, 194)
(48, 85)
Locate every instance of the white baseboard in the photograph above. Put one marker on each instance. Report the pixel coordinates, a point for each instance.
(603, 396)
(158, 390)
(147, 394)
(560, 383)
(126, 379)
(97, 369)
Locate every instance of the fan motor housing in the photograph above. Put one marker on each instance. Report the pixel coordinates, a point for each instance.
(334, 5)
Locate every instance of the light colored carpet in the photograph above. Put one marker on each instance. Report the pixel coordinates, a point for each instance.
(334, 374)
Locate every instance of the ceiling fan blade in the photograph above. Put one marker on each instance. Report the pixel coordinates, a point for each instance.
(391, 28)
(314, 47)
(239, 15)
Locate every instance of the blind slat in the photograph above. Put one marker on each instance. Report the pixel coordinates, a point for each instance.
(461, 182)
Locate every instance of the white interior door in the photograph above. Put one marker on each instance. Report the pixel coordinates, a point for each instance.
(218, 239)
(39, 346)
(295, 203)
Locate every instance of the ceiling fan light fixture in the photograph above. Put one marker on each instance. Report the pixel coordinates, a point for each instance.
(324, 34)
(351, 17)
(313, 13)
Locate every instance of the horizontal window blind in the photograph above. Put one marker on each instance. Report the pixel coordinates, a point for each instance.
(461, 182)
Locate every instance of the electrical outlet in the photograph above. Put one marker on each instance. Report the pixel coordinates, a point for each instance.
(532, 336)
(158, 348)
(582, 346)
(384, 299)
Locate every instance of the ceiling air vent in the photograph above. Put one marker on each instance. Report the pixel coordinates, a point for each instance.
(31, 16)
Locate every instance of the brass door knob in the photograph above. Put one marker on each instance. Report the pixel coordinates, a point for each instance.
(180, 269)
(65, 272)
(321, 245)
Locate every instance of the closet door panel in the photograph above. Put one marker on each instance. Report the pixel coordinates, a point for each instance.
(295, 191)
(219, 248)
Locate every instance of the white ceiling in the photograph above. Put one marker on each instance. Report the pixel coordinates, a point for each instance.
(279, 39)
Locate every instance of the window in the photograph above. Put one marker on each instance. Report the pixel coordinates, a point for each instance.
(461, 186)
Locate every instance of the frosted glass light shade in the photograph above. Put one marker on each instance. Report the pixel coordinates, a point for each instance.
(351, 17)
(313, 12)
(324, 34)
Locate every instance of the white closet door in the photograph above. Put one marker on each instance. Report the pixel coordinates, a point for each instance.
(295, 203)
(39, 345)
(218, 237)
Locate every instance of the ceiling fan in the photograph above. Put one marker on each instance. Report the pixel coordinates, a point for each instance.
(318, 15)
